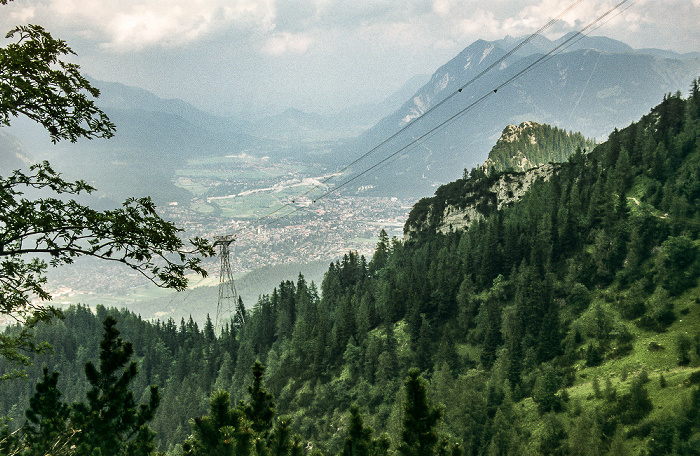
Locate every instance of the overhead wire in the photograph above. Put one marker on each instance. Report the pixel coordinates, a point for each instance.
(423, 116)
(187, 294)
(594, 25)
(565, 44)
(543, 58)
(574, 39)
(582, 35)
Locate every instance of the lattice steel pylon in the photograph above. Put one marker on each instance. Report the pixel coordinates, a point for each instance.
(228, 297)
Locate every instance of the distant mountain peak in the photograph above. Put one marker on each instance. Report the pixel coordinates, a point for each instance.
(591, 84)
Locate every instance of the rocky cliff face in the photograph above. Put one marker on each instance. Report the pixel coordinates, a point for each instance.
(594, 86)
(511, 134)
(487, 196)
(522, 155)
(505, 191)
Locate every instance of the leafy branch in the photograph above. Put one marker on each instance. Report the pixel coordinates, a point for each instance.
(35, 82)
(133, 235)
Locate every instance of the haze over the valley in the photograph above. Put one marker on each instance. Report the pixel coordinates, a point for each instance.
(227, 112)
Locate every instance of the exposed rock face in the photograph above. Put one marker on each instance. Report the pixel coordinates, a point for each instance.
(455, 219)
(508, 189)
(511, 134)
(511, 187)
(504, 191)
(522, 155)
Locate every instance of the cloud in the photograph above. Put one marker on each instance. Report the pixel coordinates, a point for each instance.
(293, 26)
(338, 51)
(127, 25)
(21, 15)
(284, 43)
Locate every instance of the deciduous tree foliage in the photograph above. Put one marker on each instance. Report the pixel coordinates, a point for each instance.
(35, 82)
(34, 232)
(534, 291)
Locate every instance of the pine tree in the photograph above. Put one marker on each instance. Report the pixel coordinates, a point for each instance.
(280, 443)
(46, 430)
(240, 316)
(694, 100)
(221, 432)
(545, 393)
(359, 439)
(504, 440)
(493, 337)
(228, 430)
(419, 435)
(635, 404)
(381, 254)
(549, 338)
(585, 436)
(111, 421)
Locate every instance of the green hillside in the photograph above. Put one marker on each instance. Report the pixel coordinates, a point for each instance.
(565, 324)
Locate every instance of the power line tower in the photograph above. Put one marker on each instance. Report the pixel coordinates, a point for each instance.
(228, 297)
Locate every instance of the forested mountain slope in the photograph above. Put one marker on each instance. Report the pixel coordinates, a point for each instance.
(530, 144)
(522, 155)
(567, 323)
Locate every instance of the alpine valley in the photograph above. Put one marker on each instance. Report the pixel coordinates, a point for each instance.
(542, 296)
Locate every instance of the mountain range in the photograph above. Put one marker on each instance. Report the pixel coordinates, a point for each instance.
(588, 85)
(157, 136)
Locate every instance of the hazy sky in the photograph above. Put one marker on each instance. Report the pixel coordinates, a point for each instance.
(315, 55)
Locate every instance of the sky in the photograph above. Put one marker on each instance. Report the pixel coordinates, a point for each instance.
(262, 56)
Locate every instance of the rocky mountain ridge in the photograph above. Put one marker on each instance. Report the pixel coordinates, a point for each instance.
(530, 144)
(523, 155)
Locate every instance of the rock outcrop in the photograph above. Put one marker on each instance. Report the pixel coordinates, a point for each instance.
(486, 195)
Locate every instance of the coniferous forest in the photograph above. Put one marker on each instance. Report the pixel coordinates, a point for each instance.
(566, 324)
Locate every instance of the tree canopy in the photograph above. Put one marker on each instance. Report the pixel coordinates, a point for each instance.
(50, 229)
(35, 82)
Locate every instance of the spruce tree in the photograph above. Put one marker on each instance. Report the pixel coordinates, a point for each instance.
(261, 408)
(493, 337)
(359, 441)
(228, 430)
(220, 433)
(381, 254)
(241, 316)
(280, 443)
(419, 435)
